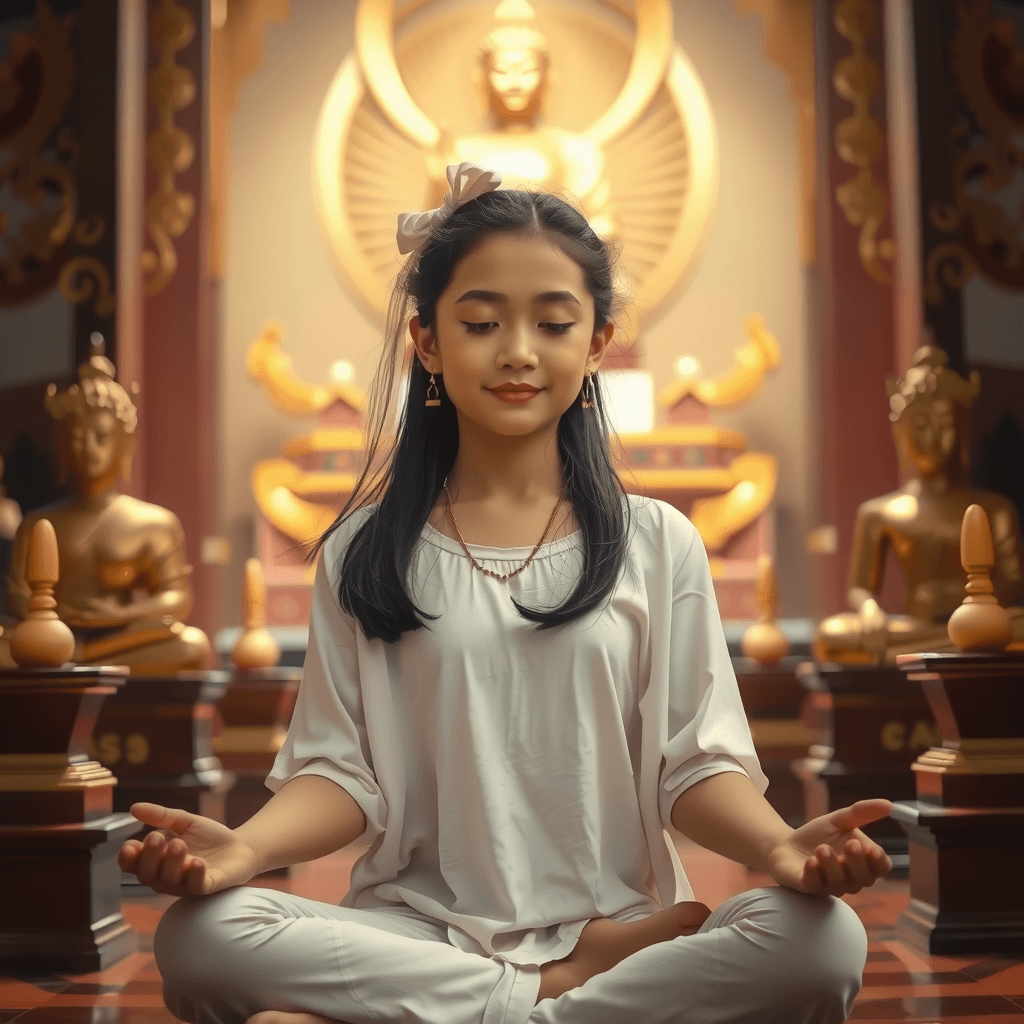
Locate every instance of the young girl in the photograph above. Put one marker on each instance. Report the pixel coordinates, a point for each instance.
(516, 681)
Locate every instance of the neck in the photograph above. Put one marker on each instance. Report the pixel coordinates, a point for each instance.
(97, 492)
(513, 470)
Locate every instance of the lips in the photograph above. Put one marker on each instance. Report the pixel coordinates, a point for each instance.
(515, 388)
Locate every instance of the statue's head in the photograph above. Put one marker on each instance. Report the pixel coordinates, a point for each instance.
(515, 60)
(930, 408)
(96, 420)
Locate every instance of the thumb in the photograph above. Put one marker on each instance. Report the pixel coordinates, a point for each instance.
(862, 812)
(173, 819)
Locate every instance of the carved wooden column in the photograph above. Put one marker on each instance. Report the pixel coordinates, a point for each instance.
(856, 458)
(178, 353)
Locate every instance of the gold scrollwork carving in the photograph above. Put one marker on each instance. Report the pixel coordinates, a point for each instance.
(90, 230)
(991, 237)
(170, 150)
(95, 280)
(858, 139)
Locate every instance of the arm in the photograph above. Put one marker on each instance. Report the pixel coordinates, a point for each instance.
(867, 557)
(307, 818)
(726, 814)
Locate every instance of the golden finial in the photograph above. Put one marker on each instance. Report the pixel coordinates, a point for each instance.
(764, 641)
(255, 648)
(980, 623)
(41, 640)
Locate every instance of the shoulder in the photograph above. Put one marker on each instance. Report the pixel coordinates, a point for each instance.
(146, 513)
(337, 543)
(660, 532)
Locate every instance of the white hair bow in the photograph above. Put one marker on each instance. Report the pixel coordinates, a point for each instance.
(466, 181)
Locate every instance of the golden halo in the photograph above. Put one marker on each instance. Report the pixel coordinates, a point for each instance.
(655, 127)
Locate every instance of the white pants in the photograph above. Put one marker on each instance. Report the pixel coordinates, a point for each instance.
(767, 956)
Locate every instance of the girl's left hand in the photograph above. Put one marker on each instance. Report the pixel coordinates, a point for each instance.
(830, 855)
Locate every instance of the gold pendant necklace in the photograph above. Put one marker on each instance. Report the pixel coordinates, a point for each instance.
(507, 575)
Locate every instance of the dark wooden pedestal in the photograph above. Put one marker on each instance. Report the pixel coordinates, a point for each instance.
(773, 699)
(59, 838)
(966, 827)
(871, 723)
(255, 713)
(156, 734)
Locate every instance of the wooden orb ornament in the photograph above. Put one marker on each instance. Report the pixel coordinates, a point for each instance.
(980, 623)
(41, 640)
(255, 648)
(764, 641)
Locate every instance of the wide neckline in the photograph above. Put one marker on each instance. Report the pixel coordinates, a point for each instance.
(483, 551)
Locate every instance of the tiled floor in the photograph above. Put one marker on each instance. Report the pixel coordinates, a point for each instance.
(899, 983)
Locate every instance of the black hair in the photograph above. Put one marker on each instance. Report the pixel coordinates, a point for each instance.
(410, 476)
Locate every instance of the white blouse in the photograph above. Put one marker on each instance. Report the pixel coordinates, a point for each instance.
(517, 783)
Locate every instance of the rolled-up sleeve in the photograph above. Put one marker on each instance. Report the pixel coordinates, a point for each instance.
(707, 730)
(327, 735)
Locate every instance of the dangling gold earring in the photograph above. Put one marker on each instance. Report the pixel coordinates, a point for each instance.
(588, 393)
(436, 400)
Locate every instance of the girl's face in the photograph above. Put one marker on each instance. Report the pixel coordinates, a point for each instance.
(517, 310)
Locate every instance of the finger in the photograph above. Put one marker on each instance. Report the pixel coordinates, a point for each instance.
(830, 866)
(148, 862)
(171, 818)
(194, 878)
(857, 870)
(811, 879)
(128, 854)
(863, 812)
(172, 862)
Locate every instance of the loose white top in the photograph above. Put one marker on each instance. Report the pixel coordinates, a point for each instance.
(516, 782)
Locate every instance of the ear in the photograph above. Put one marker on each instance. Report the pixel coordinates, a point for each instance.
(425, 343)
(599, 346)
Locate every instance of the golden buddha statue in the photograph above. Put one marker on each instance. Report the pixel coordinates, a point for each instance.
(921, 522)
(514, 63)
(124, 587)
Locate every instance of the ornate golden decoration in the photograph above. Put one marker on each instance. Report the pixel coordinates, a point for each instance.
(643, 111)
(268, 364)
(984, 211)
(95, 279)
(36, 83)
(170, 150)
(720, 518)
(278, 485)
(859, 140)
(751, 362)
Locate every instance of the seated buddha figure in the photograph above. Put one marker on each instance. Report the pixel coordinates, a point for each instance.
(514, 63)
(921, 523)
(124, 584)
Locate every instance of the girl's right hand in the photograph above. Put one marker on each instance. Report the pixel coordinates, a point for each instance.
(191, 856)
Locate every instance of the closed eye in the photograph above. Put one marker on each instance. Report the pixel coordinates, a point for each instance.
(483, 328)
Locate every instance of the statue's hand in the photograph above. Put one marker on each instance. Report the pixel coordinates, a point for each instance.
(830, 855)
(874, 627)
(96, 612)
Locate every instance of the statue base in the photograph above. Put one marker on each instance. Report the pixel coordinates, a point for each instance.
(772, 699)
(870, 723)
(255, 713)
(966, 827)
(59, 836)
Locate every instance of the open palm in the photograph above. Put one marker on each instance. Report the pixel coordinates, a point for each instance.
(192, 856)
(830, 855)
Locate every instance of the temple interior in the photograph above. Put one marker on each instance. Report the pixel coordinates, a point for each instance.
(817, 206)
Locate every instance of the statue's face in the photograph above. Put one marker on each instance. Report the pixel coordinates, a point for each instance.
(514, 77)
(95, 443)
(932, 431)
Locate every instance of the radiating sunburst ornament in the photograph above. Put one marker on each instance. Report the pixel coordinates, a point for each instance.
(593, 102)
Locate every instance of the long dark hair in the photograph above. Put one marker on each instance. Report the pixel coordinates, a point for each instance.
(407, 480)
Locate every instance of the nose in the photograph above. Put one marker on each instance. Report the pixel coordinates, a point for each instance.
(517, 348)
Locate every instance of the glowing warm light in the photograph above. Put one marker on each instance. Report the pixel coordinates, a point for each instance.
(904, 507)
(629, 397)
(744, 491)
(687, 366)
(342, 371)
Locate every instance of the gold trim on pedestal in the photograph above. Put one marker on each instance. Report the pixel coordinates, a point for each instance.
(975, 757)
(35, 777)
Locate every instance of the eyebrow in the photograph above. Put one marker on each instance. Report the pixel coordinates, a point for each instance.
(486, 296)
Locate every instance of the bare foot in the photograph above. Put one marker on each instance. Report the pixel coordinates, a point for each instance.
(605, 943)
(281, 1017)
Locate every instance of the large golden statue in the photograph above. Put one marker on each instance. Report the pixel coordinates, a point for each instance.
(514, 66)
(124, 584)
(921, 523)
(576, 100)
